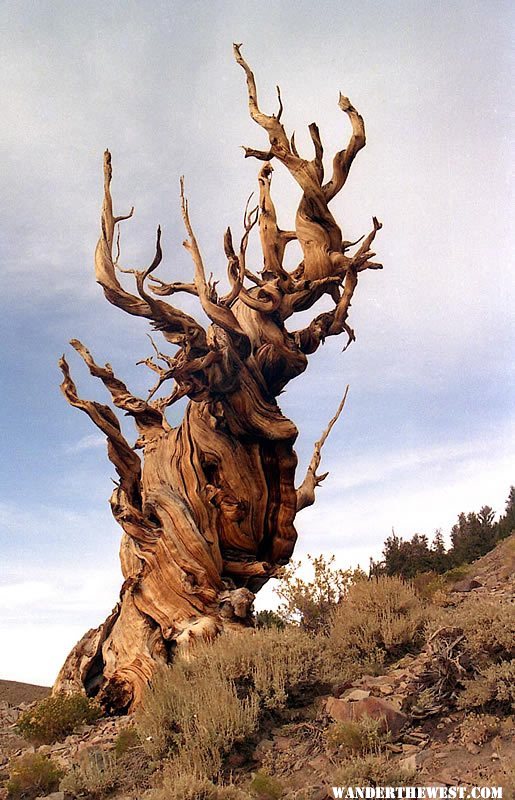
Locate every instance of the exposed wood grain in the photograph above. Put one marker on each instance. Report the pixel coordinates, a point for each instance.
(208, 510)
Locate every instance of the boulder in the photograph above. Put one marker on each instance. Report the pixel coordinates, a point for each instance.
(341, 710)
(357, 694)
(53, 796)
(466, 585)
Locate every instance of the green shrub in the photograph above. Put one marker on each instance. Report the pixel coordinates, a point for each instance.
(265, 787)
(269, 619)
(31, 775)
(372, 770)
(55, 717)
(360, 736)
(310, 603)
(195, 715)
(493, 688)
(457, 574)
(279, 666)
(379, 619)
(126, 740)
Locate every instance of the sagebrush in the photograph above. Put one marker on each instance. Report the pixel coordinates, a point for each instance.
(31, 775)
(57, 716)
(379, 620)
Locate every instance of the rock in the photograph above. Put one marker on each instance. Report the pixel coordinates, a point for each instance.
(419, 735)
(448, 777)
(235, 760)
(320, 764)
(409, 763)
(357, 694)
(53, 796)
(394, 748)
(415, 737)
(386, 689)
(340, 688)
(396, 700)
(263, 747)
(375, 707)
(284, 744)
(466, 585)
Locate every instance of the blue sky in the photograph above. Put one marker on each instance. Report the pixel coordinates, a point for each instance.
(428, 429)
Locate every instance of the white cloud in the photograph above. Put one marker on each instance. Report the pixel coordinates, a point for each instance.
(90, 442)
(472, 456)
(45, 611)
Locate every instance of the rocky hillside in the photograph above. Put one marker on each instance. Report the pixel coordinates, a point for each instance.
(13, 693)
(422, 719)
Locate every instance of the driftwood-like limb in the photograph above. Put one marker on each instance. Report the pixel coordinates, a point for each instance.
(343, 160)
(219, 314)
(333, 323)
(306, 491)
(146, 417)
(273, 240)
(316, 229)
(208, 511)
(175, 324)
(121, 455)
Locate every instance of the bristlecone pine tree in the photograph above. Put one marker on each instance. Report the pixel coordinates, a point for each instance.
(208, 513)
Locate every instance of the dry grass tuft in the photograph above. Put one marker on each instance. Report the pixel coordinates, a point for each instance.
(372, 770)
(360, 736)
(379, 620)
(96, 773)
(184, 784)
(493, 689)
(31, 775)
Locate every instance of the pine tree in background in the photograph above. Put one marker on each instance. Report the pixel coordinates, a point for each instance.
(506, 524)
(439, 556)
(473, 536)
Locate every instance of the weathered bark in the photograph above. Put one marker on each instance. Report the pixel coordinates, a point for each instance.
(208, 512)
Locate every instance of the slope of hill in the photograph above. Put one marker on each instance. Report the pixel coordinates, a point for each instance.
(437, 730)
(15, 693)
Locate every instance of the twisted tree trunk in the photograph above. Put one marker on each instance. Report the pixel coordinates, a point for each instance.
(208, 514)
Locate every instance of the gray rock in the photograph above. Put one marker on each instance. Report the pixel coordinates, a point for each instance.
(357, 694)
(466, 585)
(375, 707)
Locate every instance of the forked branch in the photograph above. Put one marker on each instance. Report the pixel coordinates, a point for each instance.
(219, 314)
(121, 454)
(177, 326)
(148, 419)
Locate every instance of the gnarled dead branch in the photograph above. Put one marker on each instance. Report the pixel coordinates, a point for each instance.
(208, 512)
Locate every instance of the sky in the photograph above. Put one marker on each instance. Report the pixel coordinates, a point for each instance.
(428, 429)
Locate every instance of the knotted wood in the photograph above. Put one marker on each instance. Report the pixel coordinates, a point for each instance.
(208, 509)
